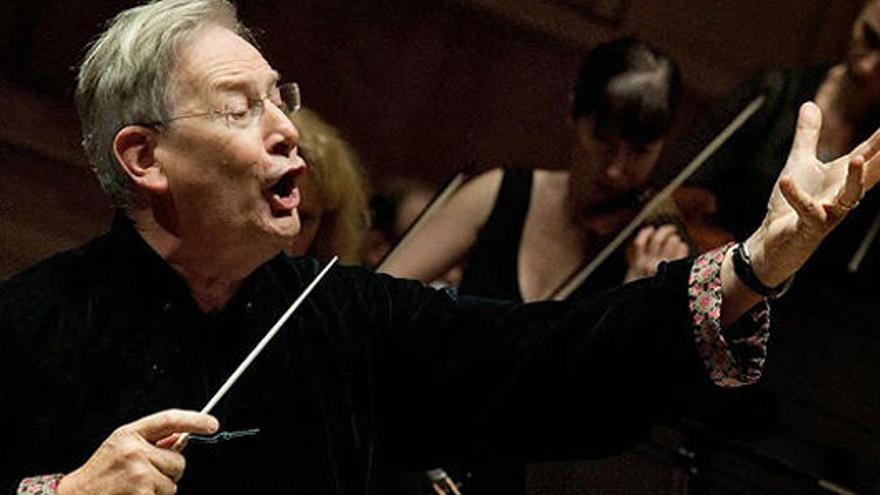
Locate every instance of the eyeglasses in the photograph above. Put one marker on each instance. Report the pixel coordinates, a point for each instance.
(285, 96)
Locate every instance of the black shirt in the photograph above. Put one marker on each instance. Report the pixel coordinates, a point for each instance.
(370, 372)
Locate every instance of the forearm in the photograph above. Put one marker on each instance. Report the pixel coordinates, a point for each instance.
(428, 254)
(773, 262)
(543, 369)
(446, 233)
(736, 297)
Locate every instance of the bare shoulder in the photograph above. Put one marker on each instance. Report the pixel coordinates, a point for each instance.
(550, 176)
(487, 182)
(436, 244)
(477, 196)
(552, 181)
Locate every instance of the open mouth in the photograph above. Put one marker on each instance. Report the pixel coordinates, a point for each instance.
(283, 195)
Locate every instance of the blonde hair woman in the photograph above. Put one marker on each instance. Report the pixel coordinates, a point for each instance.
(334, 211)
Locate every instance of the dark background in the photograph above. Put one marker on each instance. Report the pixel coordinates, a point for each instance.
(423, 87)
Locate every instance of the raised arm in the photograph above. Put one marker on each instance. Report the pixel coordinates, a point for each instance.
(808, 200)
(442, 240)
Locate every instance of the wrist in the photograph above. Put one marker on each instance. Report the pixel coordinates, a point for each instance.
(736, 297)
(747, 267)
(67, 485)
(767, 273)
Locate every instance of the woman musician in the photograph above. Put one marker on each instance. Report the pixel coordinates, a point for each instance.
(527, 231)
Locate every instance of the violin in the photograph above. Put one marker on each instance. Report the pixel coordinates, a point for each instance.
(697, 207)
(689, 208)
(654, 206)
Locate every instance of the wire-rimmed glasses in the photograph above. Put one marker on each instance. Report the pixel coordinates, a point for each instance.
(284, 96)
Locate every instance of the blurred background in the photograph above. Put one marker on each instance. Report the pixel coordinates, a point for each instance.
(425, 87)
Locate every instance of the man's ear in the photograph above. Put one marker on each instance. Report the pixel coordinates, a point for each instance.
(134, 147)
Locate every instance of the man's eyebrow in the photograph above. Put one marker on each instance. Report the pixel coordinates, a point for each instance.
(238, 83)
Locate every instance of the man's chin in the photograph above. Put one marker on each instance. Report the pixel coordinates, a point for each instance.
(284, 228)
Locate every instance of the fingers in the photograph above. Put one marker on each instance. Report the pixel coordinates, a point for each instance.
(168, 441)
(165, 486)
(140, 477)
(806, 136)
(869, 147)
(129, 462)
(673, 248)
(872, 172)
(144, 478)
(660, 243)
(162, 424)
(676, 250)
(652, 246)
(870, 151)
(168, 462)
(641, 240)
(663, 236)
(854, 187)
(799, 200)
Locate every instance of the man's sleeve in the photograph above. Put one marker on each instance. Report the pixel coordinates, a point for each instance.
(733, 356)
(39, 485)
(471, 378)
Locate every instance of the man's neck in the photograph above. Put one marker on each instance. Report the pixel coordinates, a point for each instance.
(214, 272)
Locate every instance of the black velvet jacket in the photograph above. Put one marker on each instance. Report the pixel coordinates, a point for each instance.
(371, 371)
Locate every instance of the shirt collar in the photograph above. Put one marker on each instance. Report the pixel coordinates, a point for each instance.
(161, 283)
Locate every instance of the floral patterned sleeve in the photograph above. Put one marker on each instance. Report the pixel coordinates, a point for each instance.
(39, 485)
(733, 356)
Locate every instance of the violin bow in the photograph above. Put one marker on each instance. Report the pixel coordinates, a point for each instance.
(181, 440)
(578, 278)
(441, 482)
(439, 200)
(856, 262)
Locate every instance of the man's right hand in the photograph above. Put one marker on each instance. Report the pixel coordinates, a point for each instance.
(130, 462)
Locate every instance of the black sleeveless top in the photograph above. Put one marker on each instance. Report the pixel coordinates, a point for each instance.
(491, 271)
(491, 266)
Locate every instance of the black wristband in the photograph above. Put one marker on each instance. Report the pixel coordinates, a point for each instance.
(742, 266)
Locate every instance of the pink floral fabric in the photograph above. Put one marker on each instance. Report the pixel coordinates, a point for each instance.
(734, 357)
(39, 485)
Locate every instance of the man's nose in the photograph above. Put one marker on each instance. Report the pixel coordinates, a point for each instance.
(284, 136)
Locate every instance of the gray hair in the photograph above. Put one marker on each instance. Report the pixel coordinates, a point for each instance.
(126, 76)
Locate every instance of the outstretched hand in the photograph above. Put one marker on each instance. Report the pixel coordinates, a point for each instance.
(809, 199)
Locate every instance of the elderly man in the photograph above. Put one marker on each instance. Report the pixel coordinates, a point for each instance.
(185, 123)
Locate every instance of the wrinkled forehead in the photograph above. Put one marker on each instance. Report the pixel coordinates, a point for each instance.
(216, 60)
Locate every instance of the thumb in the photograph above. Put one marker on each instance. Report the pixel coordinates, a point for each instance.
(806, 136)
(162, 424)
